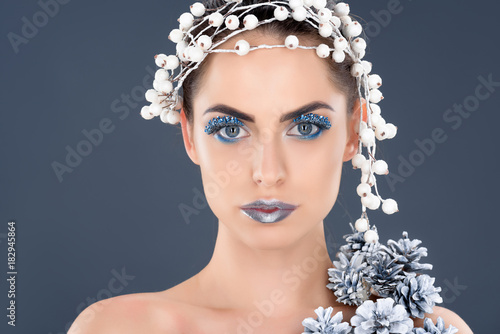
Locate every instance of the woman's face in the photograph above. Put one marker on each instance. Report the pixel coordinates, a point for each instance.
(260, 156)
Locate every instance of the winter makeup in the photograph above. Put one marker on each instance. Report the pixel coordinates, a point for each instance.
(227, 129)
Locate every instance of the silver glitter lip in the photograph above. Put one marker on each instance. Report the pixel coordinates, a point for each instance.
(282, 210)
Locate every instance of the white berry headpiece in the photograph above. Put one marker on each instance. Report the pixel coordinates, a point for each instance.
(334, 23)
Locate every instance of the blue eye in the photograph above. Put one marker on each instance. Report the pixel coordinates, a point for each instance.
(310, 123)
(225, 129)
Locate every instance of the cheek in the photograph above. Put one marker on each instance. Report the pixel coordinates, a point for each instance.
(221, 168)
(317, 169)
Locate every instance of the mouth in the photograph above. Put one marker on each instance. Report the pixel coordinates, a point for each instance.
(268, 211)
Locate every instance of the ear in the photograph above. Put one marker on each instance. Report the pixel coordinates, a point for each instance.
(352, 143)
(187, 136)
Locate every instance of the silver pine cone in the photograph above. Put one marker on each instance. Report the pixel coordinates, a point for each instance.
(347, 279)
(430, 328)
(383, 274)
(417, 294)
(407, 252)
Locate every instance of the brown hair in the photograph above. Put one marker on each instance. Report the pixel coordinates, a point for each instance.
(340, 72)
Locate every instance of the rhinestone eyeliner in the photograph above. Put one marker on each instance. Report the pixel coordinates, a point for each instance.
(316, 119)
(219, 122)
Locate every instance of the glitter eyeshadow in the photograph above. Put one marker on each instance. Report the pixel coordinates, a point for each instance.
(219, 122)
(316, 119)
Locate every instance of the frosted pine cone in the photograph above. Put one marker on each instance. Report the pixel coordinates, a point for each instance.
(383, 274)
(347, 279)
(382, 317)
(407, 252)
(418, 294)
(356, 242)
(430, 328)
(325, 324)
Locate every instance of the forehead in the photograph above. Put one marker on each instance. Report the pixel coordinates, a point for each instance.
(274, 79)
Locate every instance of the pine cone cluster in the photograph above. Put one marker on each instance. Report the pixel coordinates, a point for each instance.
(387, 271)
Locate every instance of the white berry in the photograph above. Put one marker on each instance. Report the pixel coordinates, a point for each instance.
(358, 45)
(375, 95)
(371, 201)
(180, 47)
(377, 120)
(381, 132)
(173, 117)
(145, 113)
(215, 19)
(371, 236)
(375, 108)
(194, 53)
(232, 22)
(363, 189)
(155, 109)
(165, 86)
(336, 21)
(367, 66)
(391, 130)
(295, 4)
(204, 42)
(367, 137)
(242, 47)
(340, 43)
(186, 20)
(368, 178)
(160, 60)
(345, 20)
(281, 13)
(197, 9)
(390, 206)
(323, 50)
(338, 56)
(325, 29)
(250, 21)
(358, 160)
(299, 14)
(292, 42)
(361, 225)
(161, 75)
(357, 70)
(319, 4)
(324, 15)
(176, 35)
(172, 62)
(374, 81)
(152, 96)
(365, 166)
(352, 29)
(380, 167)
(341, 9)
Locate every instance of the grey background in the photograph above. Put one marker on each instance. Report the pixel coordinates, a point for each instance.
(118, 209)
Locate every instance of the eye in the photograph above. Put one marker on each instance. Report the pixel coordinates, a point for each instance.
(309, 126)
(226, 129)
(230, 133)
(305, 129)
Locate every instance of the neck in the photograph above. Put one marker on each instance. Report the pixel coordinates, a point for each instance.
(286, 279)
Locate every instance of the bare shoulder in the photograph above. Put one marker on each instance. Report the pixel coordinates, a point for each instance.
(449, 317)
(133, 313)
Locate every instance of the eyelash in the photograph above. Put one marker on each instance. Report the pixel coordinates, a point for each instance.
(220, 123)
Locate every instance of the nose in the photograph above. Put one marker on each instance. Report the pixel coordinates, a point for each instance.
(268, 164)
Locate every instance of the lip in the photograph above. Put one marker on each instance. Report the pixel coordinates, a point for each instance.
(268, 211)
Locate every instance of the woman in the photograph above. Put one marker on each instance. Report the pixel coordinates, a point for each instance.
(271, 167)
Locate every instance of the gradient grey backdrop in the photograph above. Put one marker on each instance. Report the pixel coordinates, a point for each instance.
(118, 208)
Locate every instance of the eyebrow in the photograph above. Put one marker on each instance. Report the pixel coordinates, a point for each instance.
(225, 109)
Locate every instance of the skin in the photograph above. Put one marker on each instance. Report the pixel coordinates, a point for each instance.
(280, 266)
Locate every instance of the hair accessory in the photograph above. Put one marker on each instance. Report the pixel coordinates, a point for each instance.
(334, 23)
(365, 266)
